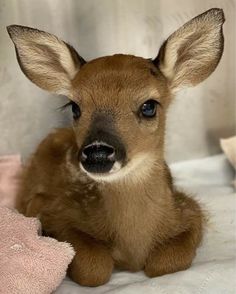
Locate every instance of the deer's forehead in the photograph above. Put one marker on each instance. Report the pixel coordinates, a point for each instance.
(115, 68)
(121, 75)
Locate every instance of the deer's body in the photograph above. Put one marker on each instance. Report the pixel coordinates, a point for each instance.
(128, 217)
(103, 184)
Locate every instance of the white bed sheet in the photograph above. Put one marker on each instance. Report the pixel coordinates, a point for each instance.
(214, 269)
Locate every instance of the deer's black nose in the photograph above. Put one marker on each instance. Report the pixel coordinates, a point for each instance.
(98, 157)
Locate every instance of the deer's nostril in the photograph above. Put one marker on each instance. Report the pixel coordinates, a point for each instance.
(98, 151)
(98, 157)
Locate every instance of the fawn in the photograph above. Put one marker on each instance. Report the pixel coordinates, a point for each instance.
(103, 184)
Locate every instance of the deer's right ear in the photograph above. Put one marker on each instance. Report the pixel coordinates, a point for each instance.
(46, 60)
(192, 52)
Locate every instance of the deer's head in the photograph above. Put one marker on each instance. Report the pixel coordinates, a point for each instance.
(119, 102)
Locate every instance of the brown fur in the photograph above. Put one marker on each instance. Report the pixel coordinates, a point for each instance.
(135, 220)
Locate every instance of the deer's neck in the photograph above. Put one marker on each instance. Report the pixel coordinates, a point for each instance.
(134, 211)
(126, 201)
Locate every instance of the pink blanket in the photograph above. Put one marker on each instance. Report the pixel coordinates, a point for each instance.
(29, 263)
(10, 167)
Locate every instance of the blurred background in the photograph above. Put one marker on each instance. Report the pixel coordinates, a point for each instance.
(197, 118)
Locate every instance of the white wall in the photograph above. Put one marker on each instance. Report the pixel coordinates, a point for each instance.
(198, 117)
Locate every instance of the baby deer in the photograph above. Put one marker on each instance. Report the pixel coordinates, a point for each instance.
(103, 184)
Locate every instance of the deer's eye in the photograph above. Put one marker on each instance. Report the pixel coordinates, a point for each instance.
(149, 108)
(76, 110)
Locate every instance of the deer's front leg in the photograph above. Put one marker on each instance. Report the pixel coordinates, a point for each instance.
(177, 253)
(92, 265)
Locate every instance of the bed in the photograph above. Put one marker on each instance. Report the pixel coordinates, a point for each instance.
(213, 272)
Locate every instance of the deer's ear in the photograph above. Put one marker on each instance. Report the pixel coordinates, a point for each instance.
(46, 60)
(192, 53)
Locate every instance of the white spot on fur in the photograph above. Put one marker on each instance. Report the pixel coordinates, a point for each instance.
(74, 171)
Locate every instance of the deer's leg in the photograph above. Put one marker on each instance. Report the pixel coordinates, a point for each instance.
(177, 253)
(92, 264)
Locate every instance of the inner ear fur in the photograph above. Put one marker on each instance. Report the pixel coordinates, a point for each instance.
(47, 61)
(193, 52)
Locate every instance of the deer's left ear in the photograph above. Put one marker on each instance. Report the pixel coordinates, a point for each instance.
(47, 61)
(192, 53)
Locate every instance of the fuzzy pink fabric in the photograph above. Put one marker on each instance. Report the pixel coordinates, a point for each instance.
(29, 263)
(10, 167)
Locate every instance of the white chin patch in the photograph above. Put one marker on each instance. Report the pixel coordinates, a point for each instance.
(103, 176)
(116, 167)
(135, 169)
